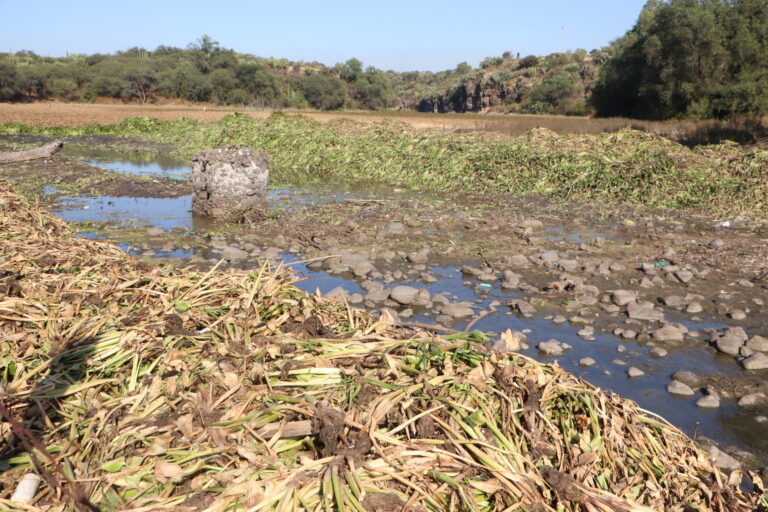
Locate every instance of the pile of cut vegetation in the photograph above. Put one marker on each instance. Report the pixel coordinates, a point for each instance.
(611, 168)
(129, 386)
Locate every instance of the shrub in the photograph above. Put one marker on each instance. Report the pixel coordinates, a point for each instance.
(538, 107)
(578, 108)
(554, 89)
(61, 87)
(325, 92)
(530, 61)
(491, 62)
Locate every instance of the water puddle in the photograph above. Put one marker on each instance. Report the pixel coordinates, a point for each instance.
(727, 424)
(560, 234)
(305, 189)
(143, 164)
(166, 213)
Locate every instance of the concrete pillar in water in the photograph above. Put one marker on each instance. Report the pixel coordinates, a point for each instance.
(228, 182)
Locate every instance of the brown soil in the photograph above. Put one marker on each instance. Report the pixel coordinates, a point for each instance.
(78, 114)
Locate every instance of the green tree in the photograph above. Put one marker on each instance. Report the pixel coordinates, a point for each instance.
(554, 90)
(259, 83)
(463, 68)
(9, 82)
(222, 81)
(351, 71)
(139, 81)
(325, 92)
(185, 82)
(687, 57)
(61, 87)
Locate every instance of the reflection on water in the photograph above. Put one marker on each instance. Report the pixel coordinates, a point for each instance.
(144, 164)
(165, 213)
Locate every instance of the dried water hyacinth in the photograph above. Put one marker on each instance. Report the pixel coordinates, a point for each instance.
(157, 388)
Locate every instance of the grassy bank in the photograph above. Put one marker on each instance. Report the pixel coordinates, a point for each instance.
(148, 388)
(628, 166)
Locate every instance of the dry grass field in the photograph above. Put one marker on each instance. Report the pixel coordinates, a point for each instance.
(48, 114)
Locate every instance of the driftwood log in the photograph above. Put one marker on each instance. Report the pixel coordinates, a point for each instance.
(21, 156)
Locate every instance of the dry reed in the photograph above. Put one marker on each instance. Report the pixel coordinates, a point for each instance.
(155, 388)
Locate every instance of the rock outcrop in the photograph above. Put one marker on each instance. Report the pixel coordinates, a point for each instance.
(228, 182)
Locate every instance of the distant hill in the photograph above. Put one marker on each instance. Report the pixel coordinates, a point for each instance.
(206, 72)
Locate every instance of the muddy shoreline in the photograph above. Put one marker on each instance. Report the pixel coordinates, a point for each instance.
(654, 289)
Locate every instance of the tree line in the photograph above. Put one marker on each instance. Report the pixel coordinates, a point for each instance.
(682, 58)
(202, 72)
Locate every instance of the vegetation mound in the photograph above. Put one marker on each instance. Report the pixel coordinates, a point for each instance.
(628, 166)
(136, 387)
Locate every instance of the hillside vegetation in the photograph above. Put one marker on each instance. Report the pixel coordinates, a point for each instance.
(683, 58)
(696, 58)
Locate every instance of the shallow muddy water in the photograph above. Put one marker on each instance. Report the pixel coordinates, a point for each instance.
(728, 424)
(142, 164)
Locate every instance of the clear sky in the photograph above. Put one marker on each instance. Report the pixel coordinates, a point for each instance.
(390, 34)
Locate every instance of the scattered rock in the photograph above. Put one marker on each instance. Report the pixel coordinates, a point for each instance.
(710, 401)
(378, 295)
(658, 352)
(722, 459)
(362, 268)
(644, 311)
(672, 301)
(518, 260)
(234, 254)
(758, 361)
(457, 310)
(758, 344)
(587, 361)
(417, 258)
(694, 308)
(522, 307)
(753, 399)
(716, 243)
(684, 276)
(623, 297)
(634, 372)
(404, 294)
(688, 377)
(155, 231)
(678, 388)
(552, 348)
(737, 314)
(729, 344)
(668, 333)
(510, 279)
(549, 256)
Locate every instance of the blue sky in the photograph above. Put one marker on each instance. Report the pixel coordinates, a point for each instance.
(395, 34)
